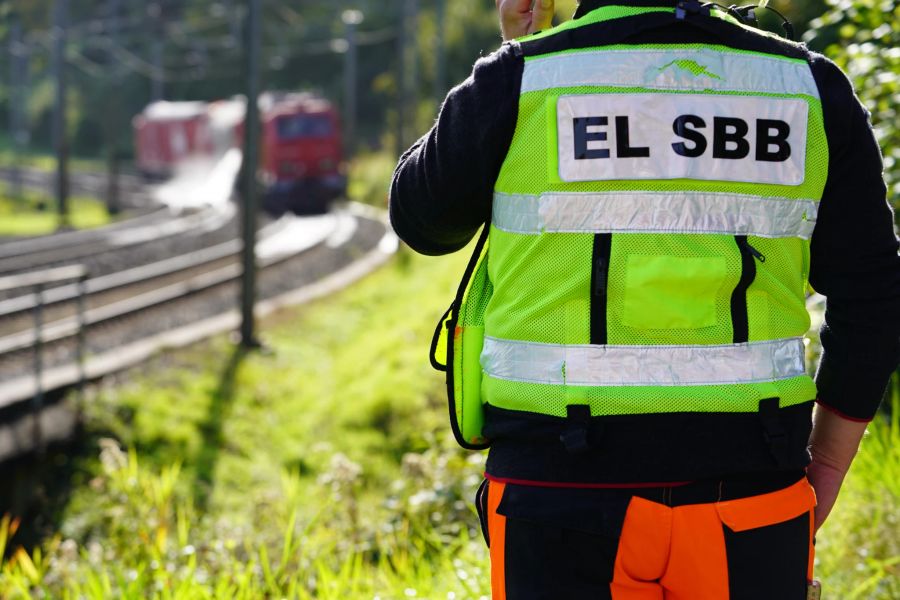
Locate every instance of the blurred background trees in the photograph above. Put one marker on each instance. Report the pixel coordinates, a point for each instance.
(863, 37)
(125, 53)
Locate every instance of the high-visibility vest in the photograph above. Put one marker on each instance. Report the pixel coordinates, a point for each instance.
(649, 239)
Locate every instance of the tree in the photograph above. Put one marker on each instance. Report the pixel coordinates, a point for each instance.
(863, 37)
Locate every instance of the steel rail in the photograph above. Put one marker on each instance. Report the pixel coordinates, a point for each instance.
(33, 278)
(62, 329)
(20, 246)
(202, 222)
(133, 276)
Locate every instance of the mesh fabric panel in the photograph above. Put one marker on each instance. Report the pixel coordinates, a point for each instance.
(552, 399)
(775, 300)
(477, 296)
(541, 287)
(604, 13)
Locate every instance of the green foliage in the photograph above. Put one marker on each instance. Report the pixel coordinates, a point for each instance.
(202, 59)
(34, 214)
(149, 542)
(370, 177)
(863, 37)
(859, 549)
(321, 468)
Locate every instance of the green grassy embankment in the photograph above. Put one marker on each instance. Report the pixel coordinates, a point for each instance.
(323, 468)
(320, 468)
(35, 214)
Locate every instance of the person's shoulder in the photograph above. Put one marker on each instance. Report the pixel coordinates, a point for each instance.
(493, 70)
(503, 57)
(835, 88)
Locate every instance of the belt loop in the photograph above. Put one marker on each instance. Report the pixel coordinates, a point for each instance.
(773, 431)
(575, 434)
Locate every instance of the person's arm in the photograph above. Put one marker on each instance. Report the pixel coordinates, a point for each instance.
(833, 445)
(855, 265)
(443, 186)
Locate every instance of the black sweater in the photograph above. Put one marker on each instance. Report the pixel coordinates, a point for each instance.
(441, 194)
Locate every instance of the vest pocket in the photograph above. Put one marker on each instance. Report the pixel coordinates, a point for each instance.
(672, 292)
(464, 345)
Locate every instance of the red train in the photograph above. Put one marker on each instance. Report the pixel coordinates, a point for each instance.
(168, 133)
(301, 161)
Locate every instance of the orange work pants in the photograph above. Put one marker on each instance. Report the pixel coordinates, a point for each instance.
(648, 544)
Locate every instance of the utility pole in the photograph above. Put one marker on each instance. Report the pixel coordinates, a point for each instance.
(440, 53)
(113, 206)
(351, 19)
(400, 131)
(412, 22)
(16, 108)
(60, 143)
(157, 90)
(249, 202)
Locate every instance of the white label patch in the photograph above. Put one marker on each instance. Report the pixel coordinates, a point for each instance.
(674, 136)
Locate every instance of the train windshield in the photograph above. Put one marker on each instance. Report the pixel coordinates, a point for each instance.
(303, 126)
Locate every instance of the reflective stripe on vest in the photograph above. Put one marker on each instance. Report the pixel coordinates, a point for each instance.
(679, 69)
(592, 365)
(654, 212)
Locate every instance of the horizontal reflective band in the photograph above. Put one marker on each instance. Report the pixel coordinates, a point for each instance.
(685, 69)
(654, 212)
(587, 365)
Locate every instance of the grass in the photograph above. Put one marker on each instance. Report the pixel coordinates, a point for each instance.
(323, 468)
(858, 551)
(42, 158)
(370, 177)
(34, 214)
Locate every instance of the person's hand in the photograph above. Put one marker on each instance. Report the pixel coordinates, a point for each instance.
(518, 17)
(826, 480)
(833, 444)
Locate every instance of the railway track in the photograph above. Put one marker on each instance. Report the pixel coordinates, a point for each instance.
(168, 276)
(102, 247)
(132, 313)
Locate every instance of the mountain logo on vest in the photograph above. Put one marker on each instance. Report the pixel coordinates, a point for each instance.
(691, 66)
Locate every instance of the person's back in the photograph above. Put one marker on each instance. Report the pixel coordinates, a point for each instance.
(652, 175)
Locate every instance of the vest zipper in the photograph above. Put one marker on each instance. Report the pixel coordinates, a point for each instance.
(739, 318)
(599, 286)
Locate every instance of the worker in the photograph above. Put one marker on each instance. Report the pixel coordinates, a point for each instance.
(658, 180)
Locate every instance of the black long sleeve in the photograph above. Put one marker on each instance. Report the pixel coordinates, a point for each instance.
(442, 188)
(854, 261)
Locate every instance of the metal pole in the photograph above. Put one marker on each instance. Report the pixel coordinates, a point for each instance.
(158, 90)
(37, 403)
(60, 24)
(248, 174)
(351, 19)
(15, 103)
(79, 356)
(157, 50)
(113, 206)
(400, 132)
(440, 54)
(412, 23)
